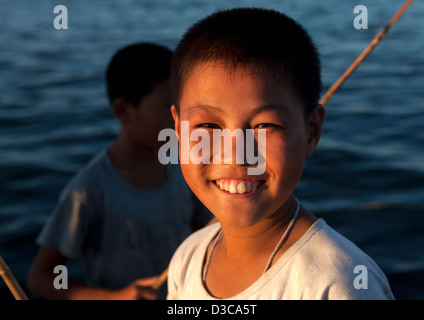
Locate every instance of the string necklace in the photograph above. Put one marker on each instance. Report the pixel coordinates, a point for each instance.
(271, 258)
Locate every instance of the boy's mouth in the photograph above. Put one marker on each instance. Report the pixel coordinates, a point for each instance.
(238, 186)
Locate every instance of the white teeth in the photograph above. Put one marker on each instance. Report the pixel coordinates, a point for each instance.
(233, 187)
(241, 187)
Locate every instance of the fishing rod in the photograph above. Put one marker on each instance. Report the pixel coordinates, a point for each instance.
(11, 282)
(379, 36)
(330, 92)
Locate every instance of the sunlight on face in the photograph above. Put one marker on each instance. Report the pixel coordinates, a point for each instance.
(213, 98)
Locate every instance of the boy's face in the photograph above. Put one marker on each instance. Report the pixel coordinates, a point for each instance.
(151, 115)
(213, 98)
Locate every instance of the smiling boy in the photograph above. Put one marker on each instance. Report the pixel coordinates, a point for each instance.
(257, 69)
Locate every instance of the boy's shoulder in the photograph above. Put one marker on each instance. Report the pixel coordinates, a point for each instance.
(328, 259)
(325, 247)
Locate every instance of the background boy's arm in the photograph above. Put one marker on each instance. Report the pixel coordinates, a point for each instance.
(41, 277)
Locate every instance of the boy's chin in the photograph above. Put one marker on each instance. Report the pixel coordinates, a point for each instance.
(238, 221)
(237, 216)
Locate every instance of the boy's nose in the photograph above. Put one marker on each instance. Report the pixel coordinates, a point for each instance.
(230, 147)
(238, 148)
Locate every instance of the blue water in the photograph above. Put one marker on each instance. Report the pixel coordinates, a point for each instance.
(366, 178)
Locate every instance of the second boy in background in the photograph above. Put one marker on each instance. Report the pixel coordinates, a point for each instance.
(124, 213)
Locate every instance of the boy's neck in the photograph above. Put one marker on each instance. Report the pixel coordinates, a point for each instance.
(238, 248)
(262, 237)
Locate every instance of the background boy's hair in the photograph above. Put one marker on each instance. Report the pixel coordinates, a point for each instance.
(266, 40)
(136, 69)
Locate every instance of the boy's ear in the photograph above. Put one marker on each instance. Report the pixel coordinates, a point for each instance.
(176, 120)
(314, 127)
(120, 109)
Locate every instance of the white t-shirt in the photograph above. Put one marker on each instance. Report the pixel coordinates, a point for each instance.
(321, 265)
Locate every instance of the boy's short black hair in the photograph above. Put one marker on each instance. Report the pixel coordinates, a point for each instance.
(136, 69)
(264, 39)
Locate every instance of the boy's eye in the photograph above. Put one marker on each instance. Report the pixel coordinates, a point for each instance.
(266, 125)
(208, 126)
